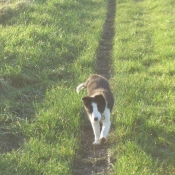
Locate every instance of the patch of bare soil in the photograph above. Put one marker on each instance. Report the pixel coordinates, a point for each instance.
(104, 50)
(91, 159)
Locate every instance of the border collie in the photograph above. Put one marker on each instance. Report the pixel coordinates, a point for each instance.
(98, 104)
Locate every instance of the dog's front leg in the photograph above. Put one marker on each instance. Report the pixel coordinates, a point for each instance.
(105, 130)
(96, 129)
(106, 125)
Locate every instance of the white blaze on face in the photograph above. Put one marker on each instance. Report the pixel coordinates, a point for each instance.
(96, 115)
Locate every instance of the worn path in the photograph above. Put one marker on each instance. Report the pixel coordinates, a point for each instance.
(95, 160)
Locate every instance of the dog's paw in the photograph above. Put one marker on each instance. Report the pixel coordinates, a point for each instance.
(102, 140)
(96, 142)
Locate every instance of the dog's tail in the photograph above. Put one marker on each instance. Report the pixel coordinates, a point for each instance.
(80, 87)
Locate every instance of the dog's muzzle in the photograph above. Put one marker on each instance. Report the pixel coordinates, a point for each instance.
(96, 119)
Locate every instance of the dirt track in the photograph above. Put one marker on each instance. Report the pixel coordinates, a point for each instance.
(95, 160)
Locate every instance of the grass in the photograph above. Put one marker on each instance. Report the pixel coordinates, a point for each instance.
(47, 48)
(143, 83)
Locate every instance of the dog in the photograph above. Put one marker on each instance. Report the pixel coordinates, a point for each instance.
(98, 104)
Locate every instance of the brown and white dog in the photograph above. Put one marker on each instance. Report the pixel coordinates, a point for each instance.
(98, 104)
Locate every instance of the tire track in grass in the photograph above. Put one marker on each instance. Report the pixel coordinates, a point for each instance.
(95, 160)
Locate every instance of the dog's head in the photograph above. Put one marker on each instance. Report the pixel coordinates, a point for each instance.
(94, 106)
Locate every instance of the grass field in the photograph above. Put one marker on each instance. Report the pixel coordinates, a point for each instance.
(48, 47)
(144, 86)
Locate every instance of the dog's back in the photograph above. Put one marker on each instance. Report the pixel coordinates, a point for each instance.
(96, 85)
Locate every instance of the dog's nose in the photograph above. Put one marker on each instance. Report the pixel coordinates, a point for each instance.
(96, 118)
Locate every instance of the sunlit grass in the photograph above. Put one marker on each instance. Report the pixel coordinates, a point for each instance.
(143, 82)
(47, 48)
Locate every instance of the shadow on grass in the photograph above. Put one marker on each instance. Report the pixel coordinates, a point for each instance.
(7, 11)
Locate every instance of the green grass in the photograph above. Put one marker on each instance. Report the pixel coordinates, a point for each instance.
(47, 48)
(144, 88)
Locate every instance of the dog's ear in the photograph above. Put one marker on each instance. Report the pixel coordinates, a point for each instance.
(87, 100)
(101, 103)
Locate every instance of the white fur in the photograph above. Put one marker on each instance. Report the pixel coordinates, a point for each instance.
(96, 129)
(95, 112)
(106, 123)
(80, 87)
(104, 119)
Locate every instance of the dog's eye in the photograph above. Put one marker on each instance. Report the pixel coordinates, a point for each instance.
(101, 107)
